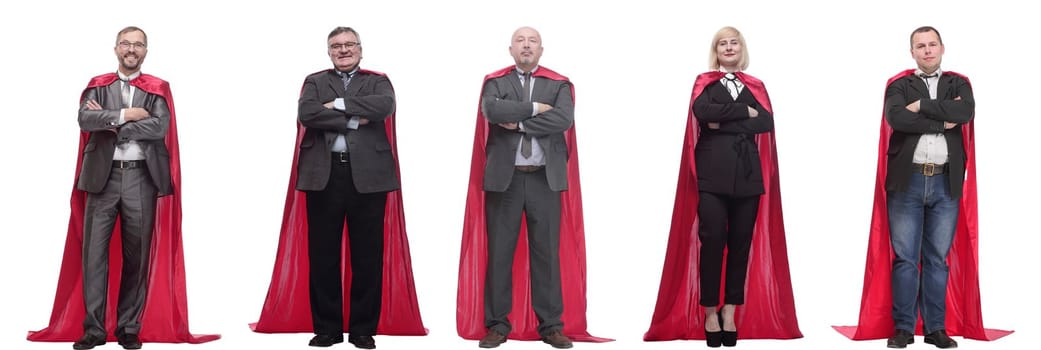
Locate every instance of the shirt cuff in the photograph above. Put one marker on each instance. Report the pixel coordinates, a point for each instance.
(520, 126)
(122, 119)
(353, 123)
(339, 104)
(534, 109)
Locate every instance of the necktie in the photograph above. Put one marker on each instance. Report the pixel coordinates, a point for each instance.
(926, 77)
(731, 85)
(526, 139)
(126, 94)
(346, 80)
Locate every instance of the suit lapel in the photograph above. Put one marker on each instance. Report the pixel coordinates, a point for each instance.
(114, 96)
(943, 83)
(515, 82)
(919, 86)
(357, 80)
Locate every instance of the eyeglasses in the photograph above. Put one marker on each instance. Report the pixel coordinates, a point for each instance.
(339, 46)
(126, 45)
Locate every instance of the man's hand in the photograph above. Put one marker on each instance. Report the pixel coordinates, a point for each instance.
(914, 106)
(328, 105)
(713, 125)
(508, 126)
(752, 113)
(362, 121)
(949, 125)
(543, 108)
(134, 114)
(93, 105)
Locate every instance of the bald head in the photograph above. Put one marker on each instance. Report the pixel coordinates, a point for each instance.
(526, 48)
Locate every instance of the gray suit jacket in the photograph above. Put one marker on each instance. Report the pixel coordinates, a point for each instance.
(502, 102)
(104, 129)
(370, 96)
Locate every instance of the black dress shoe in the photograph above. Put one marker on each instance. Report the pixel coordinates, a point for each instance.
(557, 340)
(900, 339)
(362, 341)
(326, 340)
(129, 341)
(940, 339)
(89, 341)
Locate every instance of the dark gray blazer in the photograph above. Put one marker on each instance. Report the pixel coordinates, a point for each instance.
(369, 96)
(502, 102)
(908, 127)
(149, 133)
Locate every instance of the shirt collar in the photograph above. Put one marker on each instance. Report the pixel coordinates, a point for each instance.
(124, 77)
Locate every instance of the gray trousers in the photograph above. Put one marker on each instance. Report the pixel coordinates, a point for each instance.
(528, 194)
(129, 195)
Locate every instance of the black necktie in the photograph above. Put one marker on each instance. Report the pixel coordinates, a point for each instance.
(526, 139)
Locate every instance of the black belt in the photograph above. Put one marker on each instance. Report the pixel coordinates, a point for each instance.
(128, 164)
(342, 157)
(529, 168)
(929, 169)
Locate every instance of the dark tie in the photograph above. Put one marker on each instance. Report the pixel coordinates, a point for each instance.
(526, 139)
(125, 89)
(346, 80)
(346, 77)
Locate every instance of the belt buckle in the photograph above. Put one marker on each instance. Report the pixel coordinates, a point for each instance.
(928, 169)
(122, 164)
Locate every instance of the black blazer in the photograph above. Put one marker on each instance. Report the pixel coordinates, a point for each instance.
(908, 127)
(369, 96)
(727, 159)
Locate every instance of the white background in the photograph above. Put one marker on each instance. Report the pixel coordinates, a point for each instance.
(236, 70)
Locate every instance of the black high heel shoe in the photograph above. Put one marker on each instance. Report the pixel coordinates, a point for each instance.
(715, 339)
(728, 338)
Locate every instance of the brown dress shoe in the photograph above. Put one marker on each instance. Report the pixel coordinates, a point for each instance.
(557, 340)
(492, 339)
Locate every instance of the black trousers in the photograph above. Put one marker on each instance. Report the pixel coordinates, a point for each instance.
(528, 194)
(326, 211)
(130, 196)
(726, 222)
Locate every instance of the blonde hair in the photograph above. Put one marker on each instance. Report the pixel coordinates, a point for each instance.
(713, 58)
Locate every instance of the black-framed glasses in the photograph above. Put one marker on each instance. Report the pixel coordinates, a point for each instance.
(126, 45)
(348, 45)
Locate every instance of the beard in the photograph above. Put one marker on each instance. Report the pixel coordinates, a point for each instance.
(131, 63)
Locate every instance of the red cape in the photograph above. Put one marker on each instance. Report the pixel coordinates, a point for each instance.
(287, 308)
(769, 312)
(964, 314)
(474, 251)
(165, 315)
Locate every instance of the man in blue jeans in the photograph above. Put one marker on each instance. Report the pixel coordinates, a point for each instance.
(926, 108)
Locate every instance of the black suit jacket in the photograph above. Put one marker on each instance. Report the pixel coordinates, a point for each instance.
(368, 96)
(908, 126)
(728, 158)
(104, 129)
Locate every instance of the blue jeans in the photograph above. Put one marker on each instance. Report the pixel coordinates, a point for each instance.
(921, 227)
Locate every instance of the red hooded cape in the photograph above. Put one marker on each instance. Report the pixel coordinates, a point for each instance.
(287, 308)
(474, 251)
(165, 315)
(964, 314)
(769, 312)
